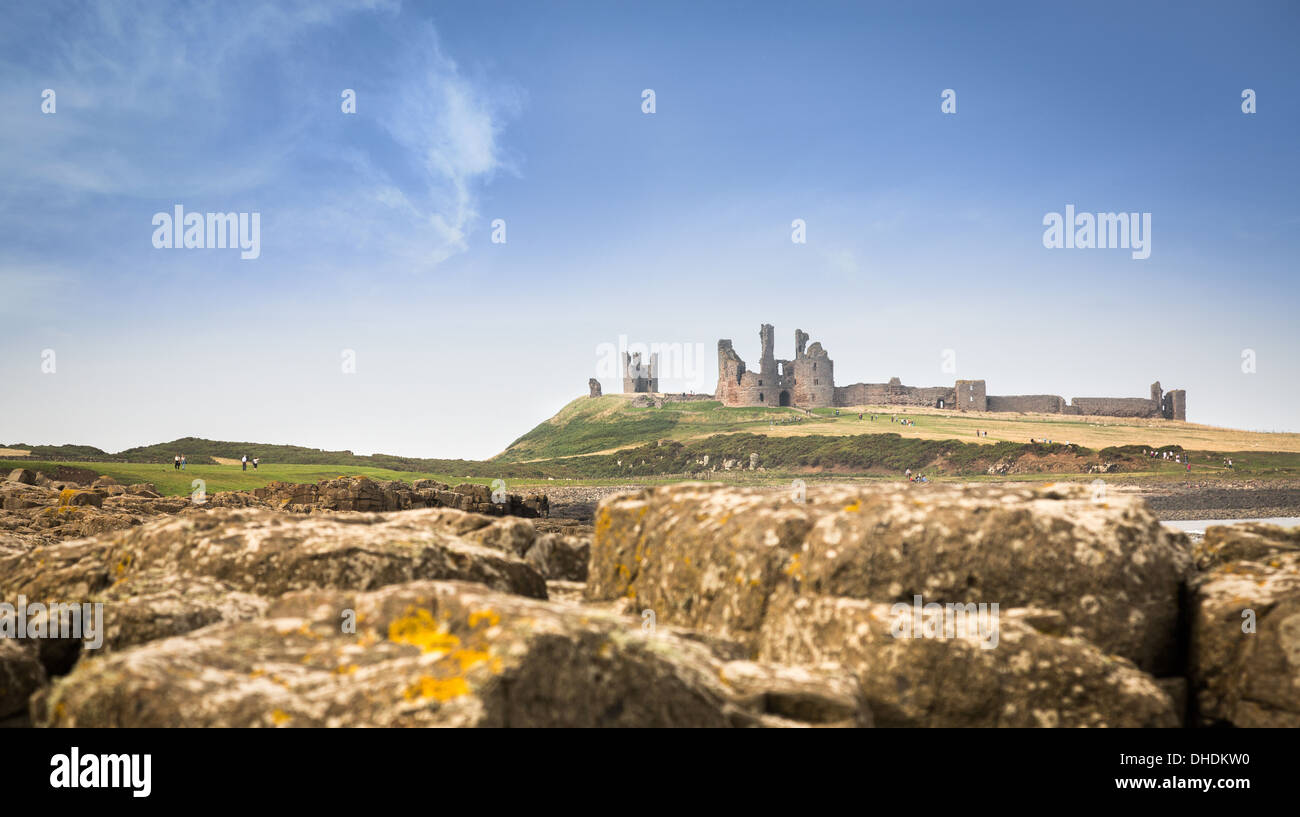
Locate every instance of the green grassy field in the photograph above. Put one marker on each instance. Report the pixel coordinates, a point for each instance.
(171, 482)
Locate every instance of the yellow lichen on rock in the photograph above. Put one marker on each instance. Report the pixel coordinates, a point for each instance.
(419, 628)
(439, 689)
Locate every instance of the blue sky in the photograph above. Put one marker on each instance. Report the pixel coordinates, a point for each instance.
(924, 230)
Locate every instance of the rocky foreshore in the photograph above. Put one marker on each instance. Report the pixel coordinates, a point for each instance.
(683, 605)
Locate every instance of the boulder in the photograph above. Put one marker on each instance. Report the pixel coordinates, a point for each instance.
(1008, 674)
(22, 476)
(145, 489)
(560, 558)
(21, 674)
(439, 654)
(267, 553)
(710, 557)
(72, 498)
(1245, 639)
(1245, 541)
(17, 496)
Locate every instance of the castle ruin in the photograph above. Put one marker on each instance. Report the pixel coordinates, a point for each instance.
(808, 381)
(640, 377)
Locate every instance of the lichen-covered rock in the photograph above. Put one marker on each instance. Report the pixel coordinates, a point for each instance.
(17, 496)
(1245, 541)
(1245, 641)
(1023, 677)
(706, 556)
(558, 557)
(23, 476)
(21, 674)
(72, 497)
(439, 654)
(267, 553)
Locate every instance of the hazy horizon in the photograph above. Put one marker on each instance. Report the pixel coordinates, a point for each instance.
(924, 230)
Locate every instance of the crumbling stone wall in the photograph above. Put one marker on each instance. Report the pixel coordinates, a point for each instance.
(1037, 403)
(1117, 406)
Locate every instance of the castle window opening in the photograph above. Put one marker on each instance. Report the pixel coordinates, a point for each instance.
(785, 398)
(760, 396)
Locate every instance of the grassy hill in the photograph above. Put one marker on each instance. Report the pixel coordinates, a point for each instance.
(602, 424)
(610, 423)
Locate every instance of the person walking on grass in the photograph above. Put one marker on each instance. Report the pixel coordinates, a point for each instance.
(255, 463)
(243, 463)
(183, 462)
(176, 462)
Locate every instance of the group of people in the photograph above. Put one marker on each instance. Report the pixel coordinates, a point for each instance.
(1180, 457)
(979, 433)
(917, 478)
(179, 462)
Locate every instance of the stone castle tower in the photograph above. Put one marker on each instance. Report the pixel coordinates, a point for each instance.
(808, 380)
(640, 377)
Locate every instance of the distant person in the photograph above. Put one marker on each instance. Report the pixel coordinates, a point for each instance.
(244, 463)
(255, 461)
(908, 474)
(183, 462)
(176, 462)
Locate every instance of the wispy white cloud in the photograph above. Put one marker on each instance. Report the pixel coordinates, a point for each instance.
(237, 102)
